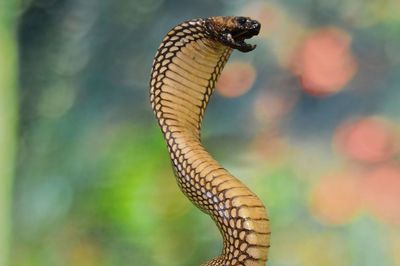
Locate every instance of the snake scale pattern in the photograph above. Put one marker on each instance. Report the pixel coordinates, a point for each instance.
(185, 70)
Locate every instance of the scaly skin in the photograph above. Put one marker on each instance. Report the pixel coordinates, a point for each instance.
(185, 69)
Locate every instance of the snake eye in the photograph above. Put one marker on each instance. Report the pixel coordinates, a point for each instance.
(241, 20)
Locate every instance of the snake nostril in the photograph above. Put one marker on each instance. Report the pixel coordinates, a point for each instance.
(256, 25)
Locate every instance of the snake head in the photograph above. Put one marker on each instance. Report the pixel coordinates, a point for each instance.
(233, 31)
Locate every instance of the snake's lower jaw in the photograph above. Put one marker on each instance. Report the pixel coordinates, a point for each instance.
(237, 43)
(245, 47)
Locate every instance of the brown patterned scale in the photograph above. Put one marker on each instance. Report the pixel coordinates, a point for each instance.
(185, 70)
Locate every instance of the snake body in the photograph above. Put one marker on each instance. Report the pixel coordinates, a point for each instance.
(185, 70)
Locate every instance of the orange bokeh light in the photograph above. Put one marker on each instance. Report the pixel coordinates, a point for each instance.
(236, 79)
(369, 139)
(336, 199)
(324, 62)
(381, 192)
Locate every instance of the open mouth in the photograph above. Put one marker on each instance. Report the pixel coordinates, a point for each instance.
(242, 36)
(247, 33)
(237, 38)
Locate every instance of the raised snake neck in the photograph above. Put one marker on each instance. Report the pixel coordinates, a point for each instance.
(185, 69)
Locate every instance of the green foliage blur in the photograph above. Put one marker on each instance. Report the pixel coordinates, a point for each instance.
(313, 130)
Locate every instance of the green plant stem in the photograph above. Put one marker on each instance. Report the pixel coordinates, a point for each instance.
(8, 120)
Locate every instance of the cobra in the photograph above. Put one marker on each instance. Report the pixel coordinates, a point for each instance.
(185, 69)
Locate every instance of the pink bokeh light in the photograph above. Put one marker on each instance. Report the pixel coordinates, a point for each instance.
(381, 192)
(237, 78)
(367, 139)
(324, 62)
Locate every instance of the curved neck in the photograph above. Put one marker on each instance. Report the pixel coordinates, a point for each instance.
(187, 69)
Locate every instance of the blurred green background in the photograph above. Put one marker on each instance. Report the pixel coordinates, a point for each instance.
(309, 120)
